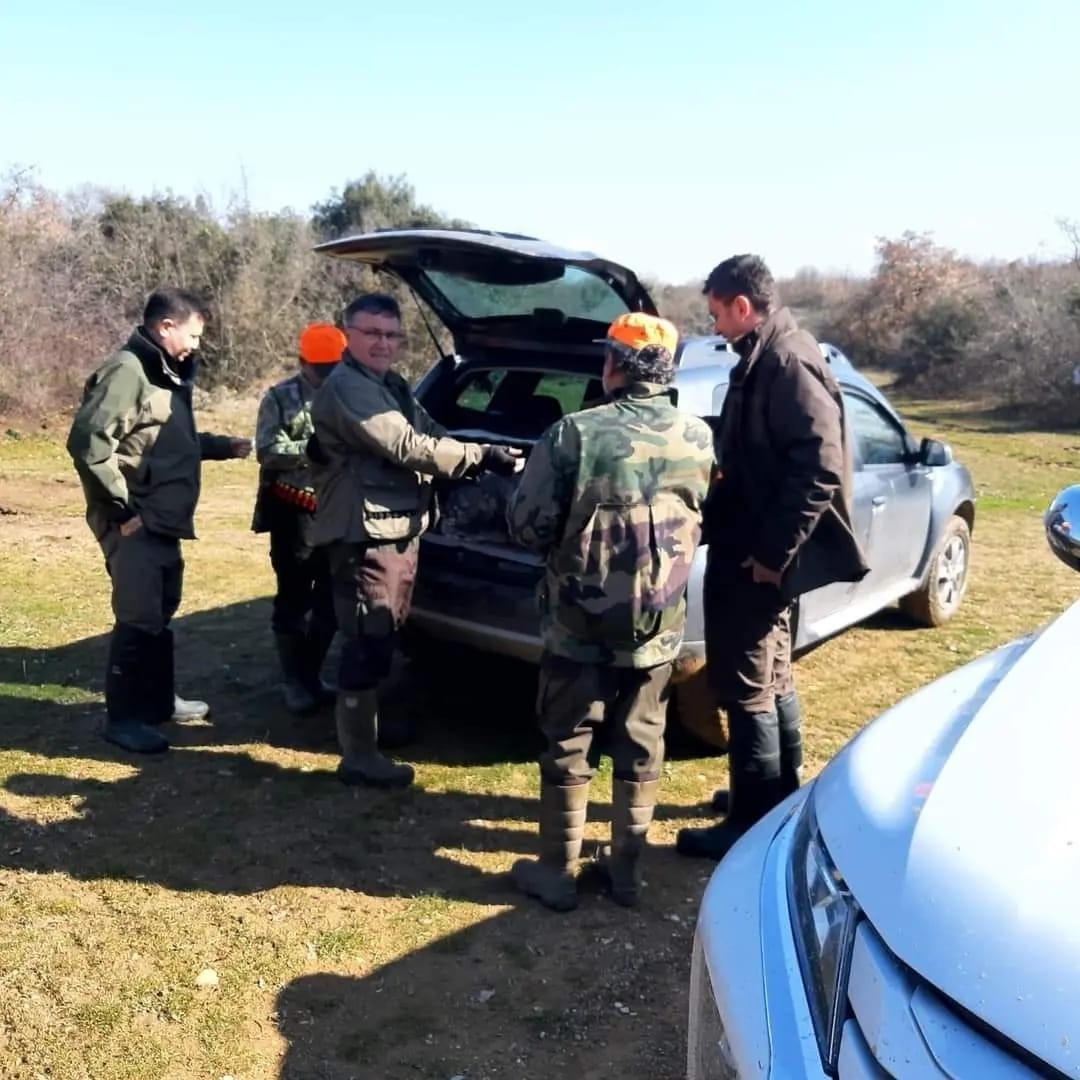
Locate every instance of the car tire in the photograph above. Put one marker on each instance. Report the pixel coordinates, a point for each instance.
(939, 597)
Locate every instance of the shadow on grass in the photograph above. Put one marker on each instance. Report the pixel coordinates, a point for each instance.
(211, 815)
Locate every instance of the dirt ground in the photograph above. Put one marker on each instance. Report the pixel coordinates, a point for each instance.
(229, 910)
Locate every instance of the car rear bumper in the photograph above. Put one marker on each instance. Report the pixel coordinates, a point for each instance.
(500, 640)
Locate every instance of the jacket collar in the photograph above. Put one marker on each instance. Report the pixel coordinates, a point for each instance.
(160, 368)
(350, 361)
(638, 391)
(752, 345)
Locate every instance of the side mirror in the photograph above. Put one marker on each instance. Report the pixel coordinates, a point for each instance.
(1062, 522)
(932, 452)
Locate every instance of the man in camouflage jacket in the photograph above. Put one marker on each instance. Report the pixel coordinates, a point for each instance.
(612, 498)
(137, 453)
(303, 610)
(378, 451)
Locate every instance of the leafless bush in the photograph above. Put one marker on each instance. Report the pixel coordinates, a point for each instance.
(75, 272)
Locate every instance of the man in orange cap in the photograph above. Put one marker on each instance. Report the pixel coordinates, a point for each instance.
(303, 611)
(612, 499)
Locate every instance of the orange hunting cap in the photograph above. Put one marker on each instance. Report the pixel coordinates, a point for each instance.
(635, 330)
(322, 343)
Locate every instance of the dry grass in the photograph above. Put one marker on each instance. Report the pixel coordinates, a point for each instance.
(357, 934)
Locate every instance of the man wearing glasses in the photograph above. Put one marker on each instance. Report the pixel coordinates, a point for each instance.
(379, 452)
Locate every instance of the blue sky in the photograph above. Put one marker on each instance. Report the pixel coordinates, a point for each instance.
(664, 135)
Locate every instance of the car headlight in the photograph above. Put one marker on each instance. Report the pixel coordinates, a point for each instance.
(824, 916)
(708, 1054)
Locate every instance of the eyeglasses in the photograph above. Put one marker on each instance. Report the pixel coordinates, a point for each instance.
(391, 337)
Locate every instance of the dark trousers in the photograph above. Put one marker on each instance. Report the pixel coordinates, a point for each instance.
(372, 587)
(748, 656)
(579, 702)
(747, 638)
(304, 589)
(147, 574)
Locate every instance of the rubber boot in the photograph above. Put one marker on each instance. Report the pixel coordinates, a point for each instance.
(292, 653)
(789, 718)
(316, 645)
(551, 878)
(357, 717)
(169, 705)
(128, 706)
(632, 805)
(755, 785)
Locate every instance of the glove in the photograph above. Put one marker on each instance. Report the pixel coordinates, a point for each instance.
(499, 460)
(315, 453)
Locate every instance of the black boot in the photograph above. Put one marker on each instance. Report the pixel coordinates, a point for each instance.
(754, 757)
(357, 716)
(168, 704)
(129, 707)
(789, 717)
(550, 879)
(292, 653)
(632, 805)
(316, 645)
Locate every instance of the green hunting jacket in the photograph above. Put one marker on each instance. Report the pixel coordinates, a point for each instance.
(134, 442)
(612, 498)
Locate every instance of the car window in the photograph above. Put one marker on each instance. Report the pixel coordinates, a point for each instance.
(478, 390)
(516, 402)
(574, 292)
(878, 438)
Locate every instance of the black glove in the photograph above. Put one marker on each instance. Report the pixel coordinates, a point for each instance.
(498, 460)
(315, 453)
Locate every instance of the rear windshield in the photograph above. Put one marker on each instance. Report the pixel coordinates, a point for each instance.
(577, 294)
(513, 402)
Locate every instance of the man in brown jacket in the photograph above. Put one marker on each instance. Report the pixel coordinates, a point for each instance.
(778, 524)
(377, 451)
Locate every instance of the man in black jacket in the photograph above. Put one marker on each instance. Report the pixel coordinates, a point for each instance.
(778, 524)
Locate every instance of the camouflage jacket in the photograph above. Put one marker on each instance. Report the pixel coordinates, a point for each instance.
(134, 444)
(282, 431)
(382, 450)
(612, 498)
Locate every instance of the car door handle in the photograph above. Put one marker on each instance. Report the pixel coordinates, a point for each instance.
(878, 501)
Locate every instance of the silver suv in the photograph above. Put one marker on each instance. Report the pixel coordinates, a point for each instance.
(525, 316)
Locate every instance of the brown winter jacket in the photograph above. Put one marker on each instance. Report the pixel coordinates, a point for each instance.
(784, 493)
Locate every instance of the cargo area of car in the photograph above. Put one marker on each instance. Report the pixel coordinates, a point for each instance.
(507, 401)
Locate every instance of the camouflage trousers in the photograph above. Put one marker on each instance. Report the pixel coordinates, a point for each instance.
(373, 587)
(585, 709)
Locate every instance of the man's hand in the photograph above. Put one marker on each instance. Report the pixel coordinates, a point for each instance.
(762, 575)
(240, 447)
(131, 526)
(501, 460)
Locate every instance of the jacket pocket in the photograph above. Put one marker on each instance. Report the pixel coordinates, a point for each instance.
(623, 577)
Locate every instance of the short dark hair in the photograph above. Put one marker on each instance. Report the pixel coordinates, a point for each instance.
(743, 275)
(176, 304)
(373, 303)
(650, 363)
